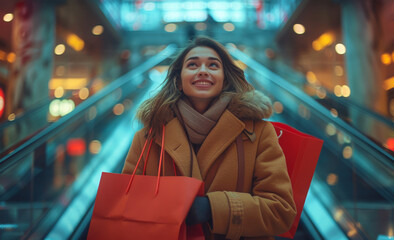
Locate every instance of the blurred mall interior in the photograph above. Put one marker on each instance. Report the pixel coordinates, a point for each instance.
(72, 73)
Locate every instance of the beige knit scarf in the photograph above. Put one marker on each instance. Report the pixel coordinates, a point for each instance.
(199, 125)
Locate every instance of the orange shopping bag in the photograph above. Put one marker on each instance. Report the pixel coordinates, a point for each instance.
(145, 207)
(302, 153)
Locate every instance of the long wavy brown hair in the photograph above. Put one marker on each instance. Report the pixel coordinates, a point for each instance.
(159, 109)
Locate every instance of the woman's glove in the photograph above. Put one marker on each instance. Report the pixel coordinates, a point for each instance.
(199, 212)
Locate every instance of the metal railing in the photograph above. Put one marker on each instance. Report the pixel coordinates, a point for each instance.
(62, 189)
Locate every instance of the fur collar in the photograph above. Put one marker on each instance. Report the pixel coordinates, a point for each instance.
(252, 105)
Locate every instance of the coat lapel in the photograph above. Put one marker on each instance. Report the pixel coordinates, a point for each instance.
(221, 136)
(177, 146)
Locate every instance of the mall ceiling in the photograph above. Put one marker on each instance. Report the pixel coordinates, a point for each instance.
(146, 19)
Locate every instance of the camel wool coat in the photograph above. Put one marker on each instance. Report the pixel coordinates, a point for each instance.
(263, 209)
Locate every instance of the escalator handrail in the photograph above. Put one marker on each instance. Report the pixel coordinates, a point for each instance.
(282, 83)
(352, 104)
(20, 117)
(41, 137)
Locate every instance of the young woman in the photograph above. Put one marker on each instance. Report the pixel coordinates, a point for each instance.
(207, 106)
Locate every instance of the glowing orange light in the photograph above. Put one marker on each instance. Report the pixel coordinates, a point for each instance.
(68, 83)
(385, 58)
(11, 57)
(326, 39)
(75, 42)
(388, 83)
(316, 45)
(311, 77)
(390, 144)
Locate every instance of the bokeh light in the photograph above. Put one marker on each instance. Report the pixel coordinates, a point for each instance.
(171, 27)
(8, 17)
(83, 93)
(299, 28)
(97, 30)
(347, 152)
(229, 27)
(75, 42)
(11, 57)
(94, 146)
(346, 91)
(332, 179)
(200, 26)
(60, 49)
(118, 109)
(338, 91)
(331, 129)
(334, 112)
(338, 71)
(11, 117)
(59, 92)
(278, 107)
(340, 48)
(311, 77)
(385, 58)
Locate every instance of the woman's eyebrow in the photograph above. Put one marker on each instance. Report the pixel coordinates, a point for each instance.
(196, 57)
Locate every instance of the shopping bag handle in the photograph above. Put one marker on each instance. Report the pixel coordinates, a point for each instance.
(146, 161)
(139, 160)
(160, 161)
(280, 134)
(147, 155)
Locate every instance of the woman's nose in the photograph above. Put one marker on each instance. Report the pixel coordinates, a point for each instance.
(202, 70)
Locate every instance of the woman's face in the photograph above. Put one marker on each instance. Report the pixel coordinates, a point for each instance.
(202, 76)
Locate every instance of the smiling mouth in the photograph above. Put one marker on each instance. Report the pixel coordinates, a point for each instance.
(203, 83)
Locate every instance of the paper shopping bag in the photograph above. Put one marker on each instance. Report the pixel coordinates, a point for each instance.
(302, 153)
(142, 214)
(145, 207)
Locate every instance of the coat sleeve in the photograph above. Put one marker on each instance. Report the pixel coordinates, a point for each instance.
(269, 209)
(134, 154)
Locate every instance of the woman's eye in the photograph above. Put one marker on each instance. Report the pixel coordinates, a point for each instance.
(192, 64)
(214, 65)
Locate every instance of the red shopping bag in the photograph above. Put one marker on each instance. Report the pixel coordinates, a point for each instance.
(302, 153)
(145, 207)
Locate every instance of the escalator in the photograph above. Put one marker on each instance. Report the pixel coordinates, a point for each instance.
(48, 183)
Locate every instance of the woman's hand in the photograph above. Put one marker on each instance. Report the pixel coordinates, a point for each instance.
(199, 212)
